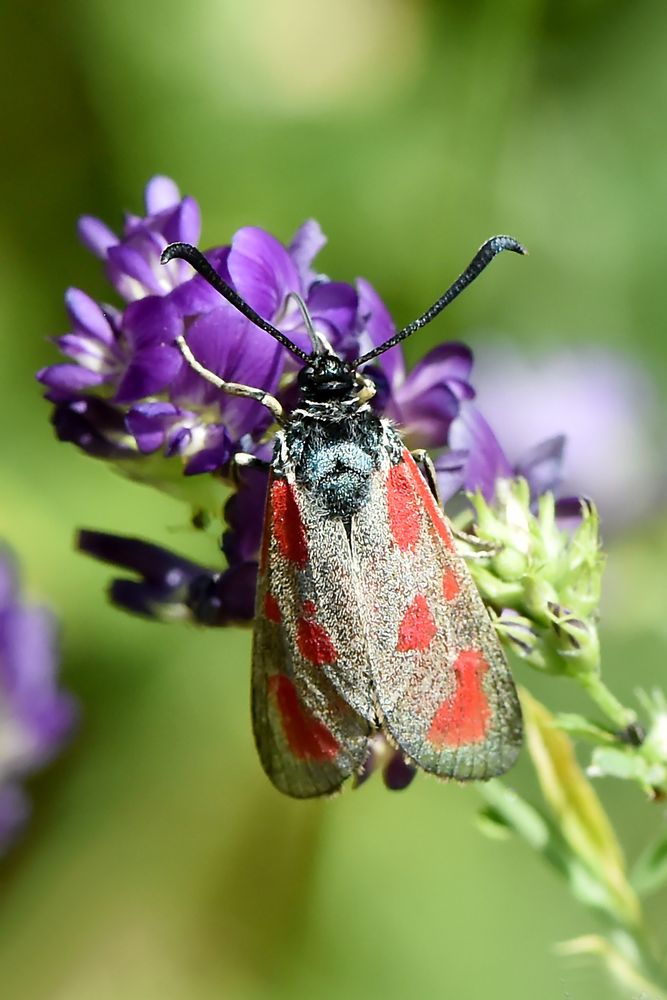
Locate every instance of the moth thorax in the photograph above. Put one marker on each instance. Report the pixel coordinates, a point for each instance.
(339, 477)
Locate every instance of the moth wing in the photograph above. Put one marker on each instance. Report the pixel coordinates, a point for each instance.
(443, 687)
(309, 738)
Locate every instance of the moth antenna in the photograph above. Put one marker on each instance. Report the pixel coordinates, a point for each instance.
(482, 259)
(195, 258)
(320, 344)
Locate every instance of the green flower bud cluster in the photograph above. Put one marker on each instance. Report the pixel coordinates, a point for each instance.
(542, 582)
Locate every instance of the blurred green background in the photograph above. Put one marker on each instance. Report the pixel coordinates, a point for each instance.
(160, 863)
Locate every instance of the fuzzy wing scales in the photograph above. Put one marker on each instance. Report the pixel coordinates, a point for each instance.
(443, 688)
(309, 736)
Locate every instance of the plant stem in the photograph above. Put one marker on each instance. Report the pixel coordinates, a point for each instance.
(617, 713)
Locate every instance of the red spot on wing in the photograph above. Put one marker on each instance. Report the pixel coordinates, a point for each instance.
(417, 629)
(402, 507)
(450, 585)
(436, 515)
(271, 609)
(313, 640)
(464, 717)
(287, 523)
(306, 736)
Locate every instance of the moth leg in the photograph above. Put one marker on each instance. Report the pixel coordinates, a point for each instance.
(232, 388)
(244, 460)
(427, 469)
(480, 549)
(366, 388)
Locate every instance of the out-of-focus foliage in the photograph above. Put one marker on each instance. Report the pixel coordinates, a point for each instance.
(159, 861)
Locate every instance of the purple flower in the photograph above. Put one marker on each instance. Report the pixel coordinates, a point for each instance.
(475, 460)
(606, 407)
(427, 401)
(397, 772)
(35, 717)
(123, 367)
(133, 260)
(168, 587)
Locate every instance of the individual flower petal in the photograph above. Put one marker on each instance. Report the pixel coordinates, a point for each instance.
(87, 316)
(570, 511)
(86, 351)
(262, 270)
(486, 461)
(65, 380)
(542, 465)
(244, 516)
(306, 243)
(94, 426)
(151, 321)
(398, 773)
(213, 452)
(96, 236)
(336, 303)
(161, 193)
(233, 598)
(376, 327)
(149, 372)
(149, 422)
(183, 224)
(132, 273)
(428, 400)
(450, 469)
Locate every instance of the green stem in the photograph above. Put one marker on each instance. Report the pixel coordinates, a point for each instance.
(617, 713)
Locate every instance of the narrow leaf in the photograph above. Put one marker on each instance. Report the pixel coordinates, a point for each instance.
(618, 964)
(650, 870)
(577, 810)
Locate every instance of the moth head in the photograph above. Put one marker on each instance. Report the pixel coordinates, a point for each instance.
(326, 378)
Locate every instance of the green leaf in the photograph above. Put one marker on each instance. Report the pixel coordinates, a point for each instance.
(542, 834)
(492, 824)
(584, 729)
(650, 870)
(519, 815)
(628, 763)
(577, 811)
(622, 962)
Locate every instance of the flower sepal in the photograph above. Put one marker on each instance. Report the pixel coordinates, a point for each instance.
(203, 494)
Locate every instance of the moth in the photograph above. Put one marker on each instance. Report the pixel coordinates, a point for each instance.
(367, 618)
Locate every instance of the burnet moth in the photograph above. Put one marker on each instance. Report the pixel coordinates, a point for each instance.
(367, 618)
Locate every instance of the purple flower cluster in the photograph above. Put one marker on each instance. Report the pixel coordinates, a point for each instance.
(125, 392)
(35, 717)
